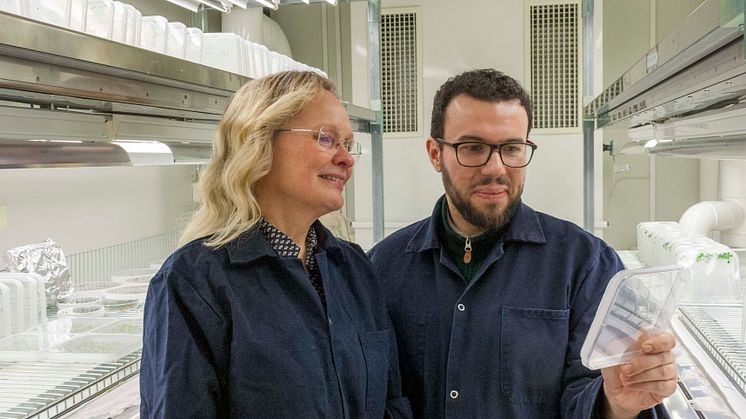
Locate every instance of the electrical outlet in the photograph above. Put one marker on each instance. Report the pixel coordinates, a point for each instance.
(3, 217)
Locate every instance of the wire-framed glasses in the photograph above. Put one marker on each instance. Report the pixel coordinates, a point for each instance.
(475, 154)
(329, 140)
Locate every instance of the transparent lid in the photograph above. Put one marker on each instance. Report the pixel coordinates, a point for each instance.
(636, 303)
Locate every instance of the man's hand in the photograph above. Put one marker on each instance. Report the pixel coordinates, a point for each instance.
(643, 382)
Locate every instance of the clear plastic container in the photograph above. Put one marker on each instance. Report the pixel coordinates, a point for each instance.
(123, 326)
(255, 60)
(223, 51)
(123, 276)
(17, 7)
(128, 292)
(78, 301)
(94, 289)
(72, 325)
(176, 43)
(93, 310)
(54, 12)
(99, 19)
(95, 347)
(154, 33)
(5, 311)
(23, 347)
(78, 12)
(636, 303)
(16, 304)
(34, 297)
(119, 28)
(134, 26)
(115, 306)
(142, 280)
(193, 53)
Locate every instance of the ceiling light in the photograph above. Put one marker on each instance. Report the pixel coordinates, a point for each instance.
(306, 1)
(332, 2)
(215, 4)
(240, 3)
(193, 5)
(267, 3)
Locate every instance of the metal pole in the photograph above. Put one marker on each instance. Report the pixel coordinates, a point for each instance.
(588, 122)
(376, 129)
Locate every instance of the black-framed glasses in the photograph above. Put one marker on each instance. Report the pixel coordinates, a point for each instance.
(329, 140)
(476, 154)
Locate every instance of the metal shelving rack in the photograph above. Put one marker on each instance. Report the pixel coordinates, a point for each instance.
(53, 80)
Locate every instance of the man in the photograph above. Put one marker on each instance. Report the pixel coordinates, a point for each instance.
(491, 300)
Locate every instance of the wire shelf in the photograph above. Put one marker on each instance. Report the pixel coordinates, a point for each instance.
(95, 266)
(717, 329)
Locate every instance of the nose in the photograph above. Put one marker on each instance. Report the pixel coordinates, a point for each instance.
(494, 164)
(343, 158)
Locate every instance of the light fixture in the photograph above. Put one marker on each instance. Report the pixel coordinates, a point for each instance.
(267, 3)
(306, 1)
(146, 153)
(651, 143)
(193, 5)
(332, 2)
(240, 3)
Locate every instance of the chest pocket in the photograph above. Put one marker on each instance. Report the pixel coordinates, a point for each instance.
(532, 354)
(376, 352)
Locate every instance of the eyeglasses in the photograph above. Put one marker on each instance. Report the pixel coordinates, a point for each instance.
(329, 140)
(476, 154)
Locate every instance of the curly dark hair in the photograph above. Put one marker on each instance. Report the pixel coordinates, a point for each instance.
(485, 84)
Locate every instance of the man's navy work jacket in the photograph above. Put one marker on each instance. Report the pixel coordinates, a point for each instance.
(507, 344)
(240, 332)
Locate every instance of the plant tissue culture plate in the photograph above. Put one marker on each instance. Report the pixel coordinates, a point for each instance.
(636, 303)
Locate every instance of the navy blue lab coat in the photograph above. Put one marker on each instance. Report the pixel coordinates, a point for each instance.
(240, 332)
(507, 344)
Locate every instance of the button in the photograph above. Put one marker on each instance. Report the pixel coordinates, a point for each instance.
(454, 394)
(461, 307)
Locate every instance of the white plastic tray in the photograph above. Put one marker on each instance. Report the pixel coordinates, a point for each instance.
(95, 347)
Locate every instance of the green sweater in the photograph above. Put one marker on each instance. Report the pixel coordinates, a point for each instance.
(454, 243)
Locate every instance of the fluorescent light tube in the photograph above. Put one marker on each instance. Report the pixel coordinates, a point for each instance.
(192, 5)
(332, 2)
(240, 3)
(267, 3)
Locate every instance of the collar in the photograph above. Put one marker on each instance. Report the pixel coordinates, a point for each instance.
(524, 227)
(252, 245)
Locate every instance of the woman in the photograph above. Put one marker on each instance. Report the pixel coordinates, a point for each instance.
(262, 312)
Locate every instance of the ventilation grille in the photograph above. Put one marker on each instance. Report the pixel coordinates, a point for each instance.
(554, 64)
(399, 72)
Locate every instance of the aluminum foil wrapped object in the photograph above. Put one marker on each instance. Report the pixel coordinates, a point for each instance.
(47, 260)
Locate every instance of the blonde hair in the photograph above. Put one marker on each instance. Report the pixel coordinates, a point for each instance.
(242, 153)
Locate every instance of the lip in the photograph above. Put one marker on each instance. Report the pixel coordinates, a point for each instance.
(336, 180)
(491, 193)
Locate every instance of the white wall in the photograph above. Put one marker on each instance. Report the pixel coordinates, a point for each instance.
(459, 36)
(89, 208)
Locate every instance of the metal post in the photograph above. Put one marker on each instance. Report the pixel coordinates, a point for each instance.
(376, 129)
(588, 122)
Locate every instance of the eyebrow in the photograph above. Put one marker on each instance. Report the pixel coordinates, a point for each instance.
(470, 138)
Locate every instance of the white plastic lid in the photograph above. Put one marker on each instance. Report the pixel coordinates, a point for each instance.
(636, 302)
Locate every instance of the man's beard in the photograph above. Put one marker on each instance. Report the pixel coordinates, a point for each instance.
(489, 219)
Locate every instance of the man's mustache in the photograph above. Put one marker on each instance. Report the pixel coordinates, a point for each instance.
(500, 180)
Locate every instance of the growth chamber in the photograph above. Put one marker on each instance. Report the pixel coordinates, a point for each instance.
(674, 192)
